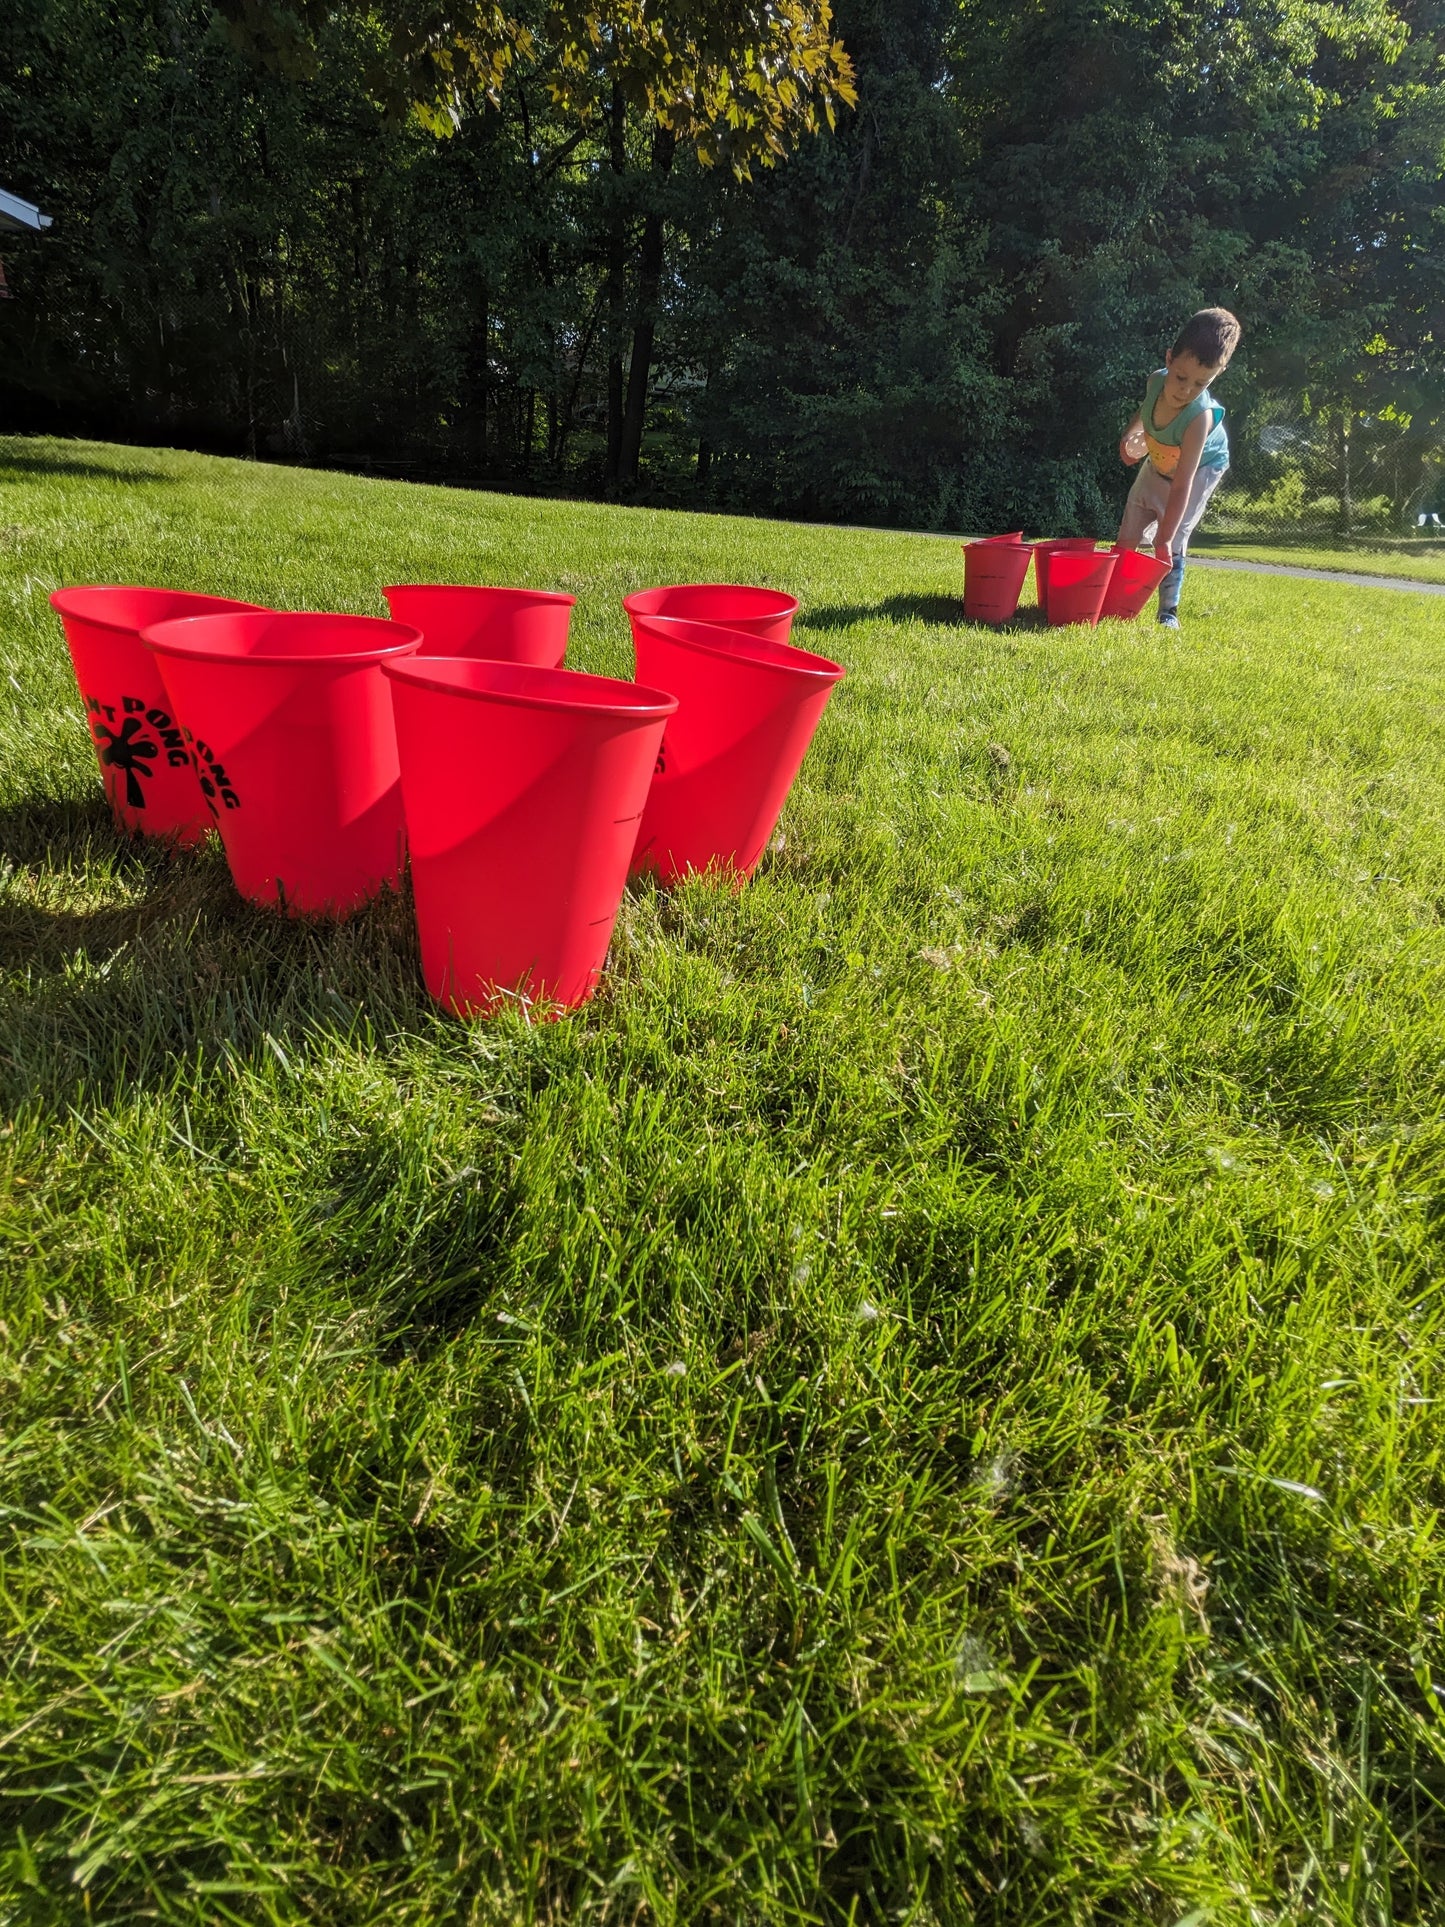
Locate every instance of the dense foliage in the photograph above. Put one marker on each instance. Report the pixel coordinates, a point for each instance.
(937, 311)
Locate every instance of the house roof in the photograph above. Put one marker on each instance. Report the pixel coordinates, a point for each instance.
(17, 216)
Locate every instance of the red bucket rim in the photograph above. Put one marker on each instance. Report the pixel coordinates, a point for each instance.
(187, 636)
(1011, 552)
(63, 602)
(547, 596)
(783, 603)
(562, 690)
(740, 645)
(1098, 559)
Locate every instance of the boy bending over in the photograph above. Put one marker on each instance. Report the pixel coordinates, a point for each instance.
(1180, 429)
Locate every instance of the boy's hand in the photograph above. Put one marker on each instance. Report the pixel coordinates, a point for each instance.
(1164, 553)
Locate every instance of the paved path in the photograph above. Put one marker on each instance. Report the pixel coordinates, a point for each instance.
(1197, 561)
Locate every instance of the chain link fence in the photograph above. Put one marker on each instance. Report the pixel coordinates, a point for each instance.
(1332, 480)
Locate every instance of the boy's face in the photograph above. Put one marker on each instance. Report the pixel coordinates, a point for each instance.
(1188, 377)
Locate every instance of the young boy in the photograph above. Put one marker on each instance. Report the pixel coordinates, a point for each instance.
(1181, 430)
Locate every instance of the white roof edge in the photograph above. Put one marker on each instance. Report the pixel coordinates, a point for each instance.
(17, 213)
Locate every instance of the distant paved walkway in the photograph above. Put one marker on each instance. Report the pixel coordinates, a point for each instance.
(1198, 561)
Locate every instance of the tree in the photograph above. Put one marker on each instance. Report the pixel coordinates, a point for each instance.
(741, 83)
(937, 312)
(738, 83)
(837, 308)
(1132, 159)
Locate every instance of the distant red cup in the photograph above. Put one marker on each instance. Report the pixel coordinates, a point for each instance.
(501, 625)
(1043, 551)
(289, 720)
(993, 578)
(1136, 576)
(1078, 584)
(145, 764)
(754, 612)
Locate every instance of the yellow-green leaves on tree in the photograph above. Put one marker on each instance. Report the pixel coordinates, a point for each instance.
(741, 80)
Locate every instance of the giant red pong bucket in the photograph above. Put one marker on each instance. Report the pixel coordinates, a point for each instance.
(1136, 576)
(504, 625)
(1078, 584)
(754, 612)
(747, 710)
(291, 728)
(144, 762)
(993, 578)
(1043, 553)
(524, 789)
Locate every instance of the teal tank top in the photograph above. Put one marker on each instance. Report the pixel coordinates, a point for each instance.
(1164, 442)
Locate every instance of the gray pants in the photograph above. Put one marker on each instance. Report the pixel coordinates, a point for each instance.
(1148, 499)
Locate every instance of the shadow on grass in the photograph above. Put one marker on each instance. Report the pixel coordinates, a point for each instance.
(137, 972)
(938, 611)
(125, 964)
(48, 828)
(85, 469)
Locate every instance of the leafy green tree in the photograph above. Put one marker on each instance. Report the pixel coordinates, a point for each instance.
(738, 84)
(936, 311)
(1131, 161)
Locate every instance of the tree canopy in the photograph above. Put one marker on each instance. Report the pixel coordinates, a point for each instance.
(739, 81)
(936, 308)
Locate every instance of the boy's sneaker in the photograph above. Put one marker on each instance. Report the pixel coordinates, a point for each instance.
(1168, 618)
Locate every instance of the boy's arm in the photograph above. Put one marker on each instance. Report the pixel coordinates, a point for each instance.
(1136, 427)
(1180, 483)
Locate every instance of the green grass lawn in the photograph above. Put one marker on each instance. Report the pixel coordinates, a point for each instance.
(920, 1404)
(1416, 561)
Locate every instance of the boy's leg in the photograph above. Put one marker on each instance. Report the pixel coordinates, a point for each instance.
(1144, 507)
(1206, 481)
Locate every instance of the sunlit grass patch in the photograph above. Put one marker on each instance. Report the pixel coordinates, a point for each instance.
(919, 1403)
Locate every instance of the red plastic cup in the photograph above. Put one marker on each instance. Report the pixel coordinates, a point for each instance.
(524, 789)
(289, 721)
(1042, 551)
(1014, 535)
(502, 625)
(747, 710)
(1078, 584)
(144, 762)
(753, 612)
(1136, 576)
(993, 578)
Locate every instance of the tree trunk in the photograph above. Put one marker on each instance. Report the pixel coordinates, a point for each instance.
(704, 446)
(649, 286)
(616, 288)
(479, 357)
(569, 407)
(1347, 507)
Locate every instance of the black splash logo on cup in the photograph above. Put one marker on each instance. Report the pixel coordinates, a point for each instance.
(129, 737)
(215, 783)
(659, 768)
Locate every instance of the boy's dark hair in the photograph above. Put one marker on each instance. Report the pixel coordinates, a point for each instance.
(1211, 336)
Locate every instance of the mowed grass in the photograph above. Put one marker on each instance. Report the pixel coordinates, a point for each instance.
(921, 1404)
(1406, 560)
